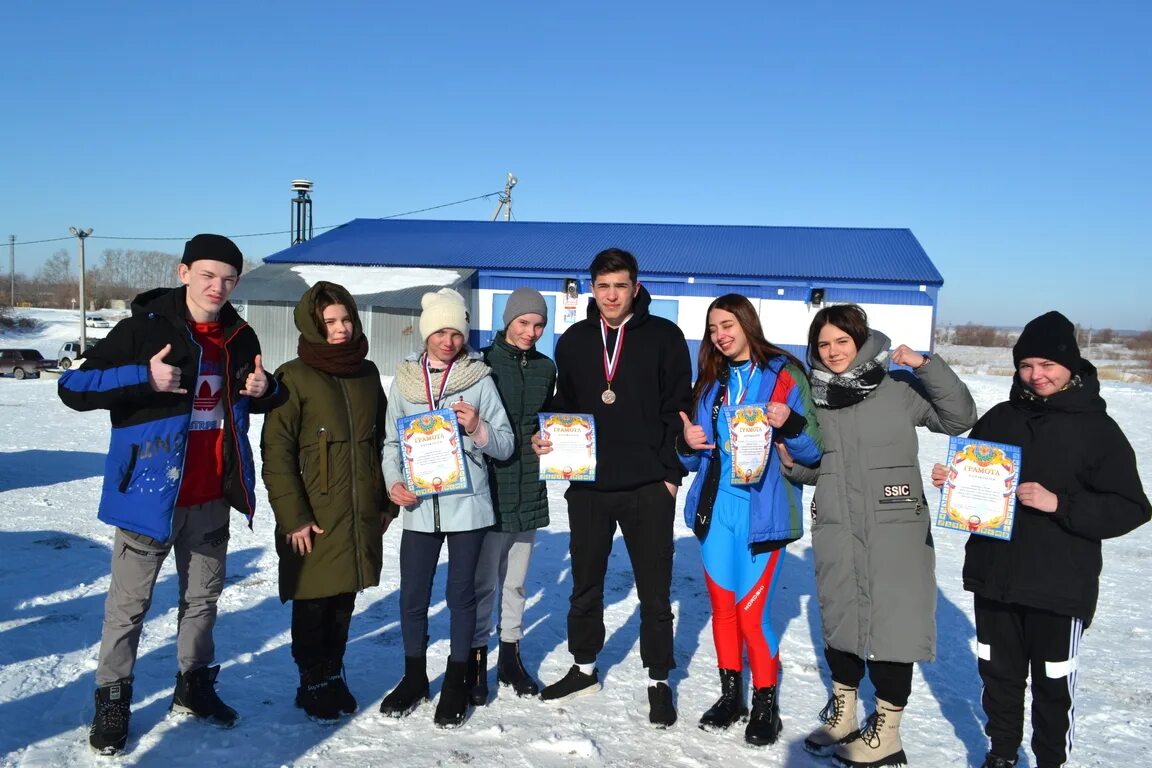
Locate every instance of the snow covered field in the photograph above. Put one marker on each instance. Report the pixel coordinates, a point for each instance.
(54, 572)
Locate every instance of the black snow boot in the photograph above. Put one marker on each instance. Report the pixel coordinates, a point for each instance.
(196, 695)
(997, 761)
(109, 732)
(764, 724)
(661, 708)
(729, 708)
(452, 709)
(477, 681)
(345, 701)
(412, 690)
(510, 671)
(317, 696)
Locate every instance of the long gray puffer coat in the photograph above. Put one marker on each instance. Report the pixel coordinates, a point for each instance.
(871, 526)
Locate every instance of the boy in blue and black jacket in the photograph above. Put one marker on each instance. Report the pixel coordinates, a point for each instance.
(179, 379)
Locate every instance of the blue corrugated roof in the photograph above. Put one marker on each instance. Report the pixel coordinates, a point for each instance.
(826, 253)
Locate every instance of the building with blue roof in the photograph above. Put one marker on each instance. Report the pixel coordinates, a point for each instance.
(788, 272)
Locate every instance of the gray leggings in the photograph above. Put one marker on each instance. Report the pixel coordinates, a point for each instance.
(200, 538)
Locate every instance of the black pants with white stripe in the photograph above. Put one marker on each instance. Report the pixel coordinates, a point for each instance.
(1013, 642)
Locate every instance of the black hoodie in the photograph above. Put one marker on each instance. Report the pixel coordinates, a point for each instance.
(1074, 449)
(636, 435)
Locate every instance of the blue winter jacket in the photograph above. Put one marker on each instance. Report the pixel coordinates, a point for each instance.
(776, 504)
(145, 464)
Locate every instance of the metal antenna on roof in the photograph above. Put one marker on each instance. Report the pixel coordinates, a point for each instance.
(301, 211)
(506, 199)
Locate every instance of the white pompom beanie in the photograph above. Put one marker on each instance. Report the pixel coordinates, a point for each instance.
(443, 309)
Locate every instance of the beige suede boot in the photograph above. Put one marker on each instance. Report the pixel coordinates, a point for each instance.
(879, 741)
(839, 722)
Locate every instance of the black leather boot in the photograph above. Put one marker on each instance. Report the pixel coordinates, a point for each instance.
(510, 671)
(477, 681)
(764, 724)
(729, 708)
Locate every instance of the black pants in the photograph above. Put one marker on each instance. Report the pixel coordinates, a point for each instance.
(645, 518)
(320, 629)
(891, 679)
(1013, 641)
(419, 554)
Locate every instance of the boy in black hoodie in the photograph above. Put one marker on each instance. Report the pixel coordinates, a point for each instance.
(631, 370)
(1035, 594)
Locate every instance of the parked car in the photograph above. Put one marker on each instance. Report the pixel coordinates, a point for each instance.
(22, 363)
(97, 321)
(70, 352)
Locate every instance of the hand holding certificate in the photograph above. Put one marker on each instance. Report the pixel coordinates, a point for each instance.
(979, 490)
(573, 454)
(430, 452)
(750, 438)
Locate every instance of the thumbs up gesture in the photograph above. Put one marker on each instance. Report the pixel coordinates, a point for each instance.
(164, 377)
(257, 382)
(694, 435)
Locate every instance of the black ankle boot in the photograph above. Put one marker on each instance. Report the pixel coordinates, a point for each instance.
(729, 708)
(477, 679)
(510, 671)
(345, 701)
(452, 709)
(109, 731)
(316, 694)
(196, 695)
(412, 690)
(764, 724)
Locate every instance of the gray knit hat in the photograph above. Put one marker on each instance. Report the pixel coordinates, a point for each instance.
(524, 301)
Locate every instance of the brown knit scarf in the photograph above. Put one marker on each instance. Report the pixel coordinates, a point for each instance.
(333, 359)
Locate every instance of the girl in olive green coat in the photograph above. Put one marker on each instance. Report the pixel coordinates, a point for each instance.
(322, 469)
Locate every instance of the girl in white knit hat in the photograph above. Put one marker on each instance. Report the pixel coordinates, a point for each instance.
(444, 375)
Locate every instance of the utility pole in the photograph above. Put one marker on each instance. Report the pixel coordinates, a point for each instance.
(12, 267)
(506, 199)
(81, 234)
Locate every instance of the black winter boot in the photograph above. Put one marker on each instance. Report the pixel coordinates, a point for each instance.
(764, 724)
(510, 671)
(196, 695)
(317, 696)
(452, 709)
(477, 680)
(345, 701)
(412, 690)
(729, 708)
(109, 732)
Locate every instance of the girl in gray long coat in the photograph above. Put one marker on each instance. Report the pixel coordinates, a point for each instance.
(871, 535)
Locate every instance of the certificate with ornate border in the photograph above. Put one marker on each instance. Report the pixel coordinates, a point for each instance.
(979, 492)
(430, 452)
(749, 441)
(573, 454)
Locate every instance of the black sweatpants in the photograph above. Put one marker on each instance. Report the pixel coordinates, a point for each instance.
(419, 555)
(891, 679)
(320, 629)
(645, 516)
(1013, 641)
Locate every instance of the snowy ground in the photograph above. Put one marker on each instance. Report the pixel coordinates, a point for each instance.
(54, 574)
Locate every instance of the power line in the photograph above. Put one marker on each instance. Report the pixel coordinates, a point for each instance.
(266, 234)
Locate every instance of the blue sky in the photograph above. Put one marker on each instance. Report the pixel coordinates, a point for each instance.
(1010, 137)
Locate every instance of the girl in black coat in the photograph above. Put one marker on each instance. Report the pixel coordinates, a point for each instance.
(1036, 593)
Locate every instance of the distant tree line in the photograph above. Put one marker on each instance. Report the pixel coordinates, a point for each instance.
(975, 335)
(119, 273)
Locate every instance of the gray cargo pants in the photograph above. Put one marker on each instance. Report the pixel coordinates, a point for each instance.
(200, 538)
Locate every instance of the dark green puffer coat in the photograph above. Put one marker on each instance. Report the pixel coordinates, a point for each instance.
(526, 381)
(322, 463)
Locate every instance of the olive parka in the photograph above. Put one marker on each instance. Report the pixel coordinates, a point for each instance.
(871, 526)
(321, 455)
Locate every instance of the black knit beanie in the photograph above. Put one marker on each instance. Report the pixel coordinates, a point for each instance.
(1052, 337)
(214, 248)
